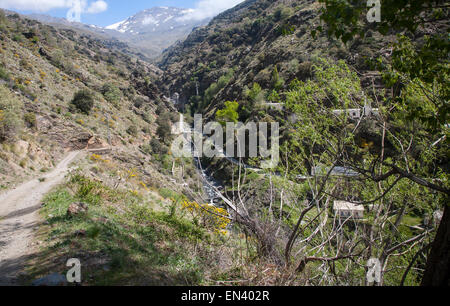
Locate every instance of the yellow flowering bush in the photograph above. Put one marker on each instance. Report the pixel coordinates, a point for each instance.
(98, 158)
(213, 217)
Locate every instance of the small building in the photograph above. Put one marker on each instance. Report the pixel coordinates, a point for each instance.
(346, 210)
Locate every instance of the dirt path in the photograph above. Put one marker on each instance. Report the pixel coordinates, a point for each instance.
(19, 219)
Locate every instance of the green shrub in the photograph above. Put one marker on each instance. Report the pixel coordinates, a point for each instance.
(17, 38)
(139, 101)
(83, 101)
(255, 94)
(112, 94)
(10, 122)
(277, 81)
(132, 130)
(30, 119)
(164, 130)
(282, 12)
(229, 113)
(4, 75)
(157, 147)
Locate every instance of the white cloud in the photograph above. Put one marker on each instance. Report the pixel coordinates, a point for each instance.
(37, 6)
(97, 7)
(76, 7)
(209, 8)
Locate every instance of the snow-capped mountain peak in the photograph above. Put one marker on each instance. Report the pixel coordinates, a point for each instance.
(115, 26)
(160, 19)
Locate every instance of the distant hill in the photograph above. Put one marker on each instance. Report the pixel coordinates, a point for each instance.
(150, 31)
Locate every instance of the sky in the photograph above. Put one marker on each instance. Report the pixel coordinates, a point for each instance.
(106, 12)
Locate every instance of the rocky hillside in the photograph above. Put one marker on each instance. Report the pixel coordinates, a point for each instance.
(65, 90)
(250, 44)
(147, 33)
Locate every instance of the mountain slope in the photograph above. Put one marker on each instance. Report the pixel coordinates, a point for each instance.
(155, 29)
(247, 43)
(63, 91)
(149, 31)
(42, 68)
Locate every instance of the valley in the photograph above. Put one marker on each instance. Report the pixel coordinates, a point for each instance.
(321, 157)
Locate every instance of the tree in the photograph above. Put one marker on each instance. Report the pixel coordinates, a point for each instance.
(229, 113)
(164, 130)
(418, 73)
(83, 100)
(277, 81)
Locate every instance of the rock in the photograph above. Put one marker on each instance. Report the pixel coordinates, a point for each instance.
(21, 148)
(80, 233)
(81, 141)
(96, 143)
(76, 209)
(51, 280)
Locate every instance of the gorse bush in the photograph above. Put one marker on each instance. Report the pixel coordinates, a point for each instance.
(214, 218)
(83, 101)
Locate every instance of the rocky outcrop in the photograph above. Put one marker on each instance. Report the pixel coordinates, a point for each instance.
(76, 209)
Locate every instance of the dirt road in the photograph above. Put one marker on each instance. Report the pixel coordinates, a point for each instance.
(19, 219)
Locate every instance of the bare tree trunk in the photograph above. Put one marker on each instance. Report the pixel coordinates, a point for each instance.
(437, 272)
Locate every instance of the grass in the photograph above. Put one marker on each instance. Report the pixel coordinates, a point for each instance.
(123, 241)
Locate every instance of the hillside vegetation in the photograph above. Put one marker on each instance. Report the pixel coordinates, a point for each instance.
(363, 163)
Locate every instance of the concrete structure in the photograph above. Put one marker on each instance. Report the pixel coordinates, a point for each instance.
(345, 210)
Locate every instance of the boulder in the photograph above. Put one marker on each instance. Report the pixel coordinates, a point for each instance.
(76, 209)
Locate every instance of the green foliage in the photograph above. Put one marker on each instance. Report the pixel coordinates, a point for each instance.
(282, 13)
(255, 94)
(333, 83)
(83, 101)
(277, 81)
(10, 122)
(4, 75)
(112, 94)
(87, 190)
(164, 130)
(17, 38)
(422, 62)
(132, 130)
(129, 238)
(170, 194)
(286, 29)
(156, 147)
(30, 119)
(229, 113)
(214, 88)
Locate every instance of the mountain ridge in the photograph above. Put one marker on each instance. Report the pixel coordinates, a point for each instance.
(149, 31)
